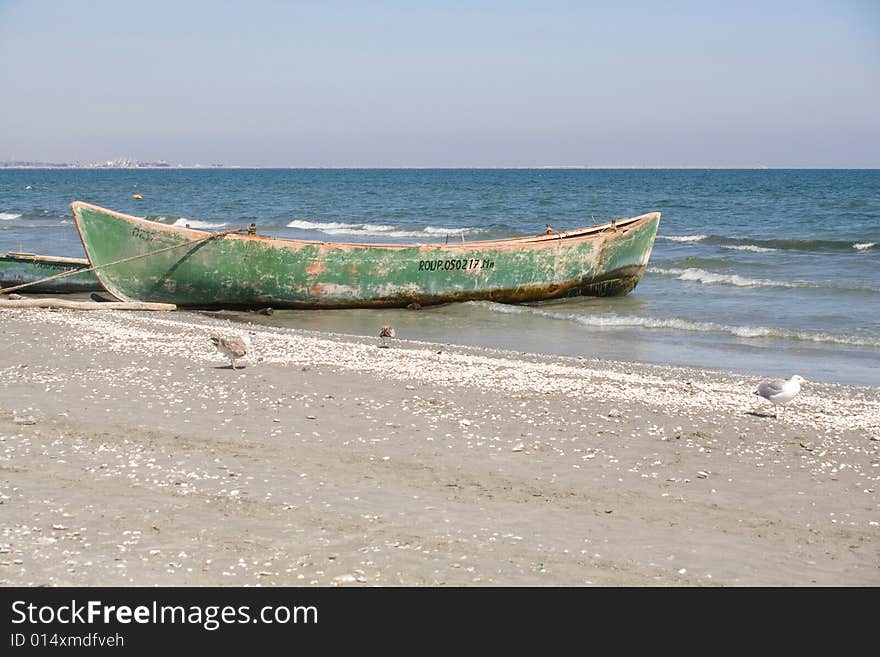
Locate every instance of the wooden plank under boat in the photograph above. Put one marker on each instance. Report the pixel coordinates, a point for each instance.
(17, 268)
(140, 260)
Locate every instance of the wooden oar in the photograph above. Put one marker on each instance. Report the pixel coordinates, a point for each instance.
(67, 304)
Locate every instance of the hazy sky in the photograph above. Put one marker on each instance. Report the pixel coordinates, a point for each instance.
(442, 83)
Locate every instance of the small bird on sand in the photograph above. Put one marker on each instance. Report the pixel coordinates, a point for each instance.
(778, 392)
(232, 347)
(384, 333)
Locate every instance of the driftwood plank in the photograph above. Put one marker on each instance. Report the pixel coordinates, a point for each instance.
(84, 305)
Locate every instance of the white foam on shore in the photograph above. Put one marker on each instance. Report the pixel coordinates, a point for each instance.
(8, 216)
(864, 246)
(751, 248)
(678, 324)
(195, 223)
(682, 238)
(380, 230)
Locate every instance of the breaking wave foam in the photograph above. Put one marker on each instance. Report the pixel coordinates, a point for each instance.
(703, 276)
(751, 248)
(333, 225)
(678, 324)
(695, 275)
(380, 230)
(682, 238)
(758, 245)
(7, 216)
(195, 223)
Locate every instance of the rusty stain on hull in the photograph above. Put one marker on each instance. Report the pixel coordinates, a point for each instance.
(200, 269)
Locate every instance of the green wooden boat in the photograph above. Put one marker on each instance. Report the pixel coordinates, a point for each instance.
(18, 268)
(140, 260)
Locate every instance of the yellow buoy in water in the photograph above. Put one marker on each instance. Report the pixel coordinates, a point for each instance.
(138, 197)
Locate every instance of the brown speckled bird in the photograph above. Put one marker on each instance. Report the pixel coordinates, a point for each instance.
(232, 347)
(384, 333)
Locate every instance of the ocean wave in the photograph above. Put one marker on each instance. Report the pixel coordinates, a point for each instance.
(380, 230)
(679, 324)
(759, 245)
(337, 226)
(696, 262)
(695, 275)
(182, 222)
(751, 248)
(195, 223)
(8, 216)
(368, 231)
(702, 276)
(431, 230)
(683, 238)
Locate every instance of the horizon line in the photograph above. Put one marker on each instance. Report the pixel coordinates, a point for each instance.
(755, 167)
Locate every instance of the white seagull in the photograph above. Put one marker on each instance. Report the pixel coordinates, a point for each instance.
(778, 392)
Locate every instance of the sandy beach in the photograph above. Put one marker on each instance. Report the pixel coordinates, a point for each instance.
(131, 454)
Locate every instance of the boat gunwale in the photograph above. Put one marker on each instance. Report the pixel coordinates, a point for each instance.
(586, 232)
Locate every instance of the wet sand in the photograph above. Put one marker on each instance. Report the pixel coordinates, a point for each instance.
(131, 454)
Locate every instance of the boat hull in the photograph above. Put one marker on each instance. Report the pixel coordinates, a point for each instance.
(193, 268)
(21, 268)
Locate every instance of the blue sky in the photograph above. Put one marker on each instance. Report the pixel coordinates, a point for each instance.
(258, 83)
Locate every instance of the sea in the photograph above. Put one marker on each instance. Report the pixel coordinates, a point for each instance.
(764, 272)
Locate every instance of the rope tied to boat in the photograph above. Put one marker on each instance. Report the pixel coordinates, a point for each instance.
(84, 270)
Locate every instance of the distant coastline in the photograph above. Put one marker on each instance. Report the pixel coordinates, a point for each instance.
(124, 163)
